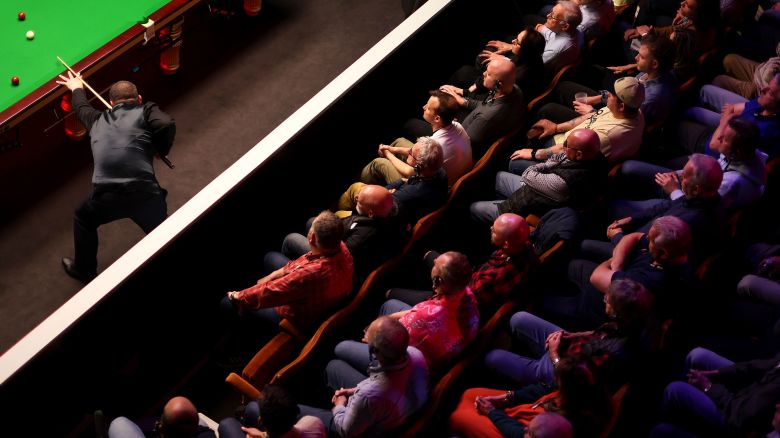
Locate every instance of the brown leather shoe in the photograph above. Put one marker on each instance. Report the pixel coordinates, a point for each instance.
(70, 268)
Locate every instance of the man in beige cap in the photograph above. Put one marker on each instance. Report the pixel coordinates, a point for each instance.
(619, 126)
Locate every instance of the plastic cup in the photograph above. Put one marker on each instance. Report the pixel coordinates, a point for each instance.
(581, 97)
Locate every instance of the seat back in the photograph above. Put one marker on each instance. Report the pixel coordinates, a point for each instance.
(551, 87)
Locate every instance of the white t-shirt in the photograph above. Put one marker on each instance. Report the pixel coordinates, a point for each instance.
(456, 145)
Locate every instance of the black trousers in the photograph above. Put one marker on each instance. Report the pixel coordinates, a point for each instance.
(104, 205)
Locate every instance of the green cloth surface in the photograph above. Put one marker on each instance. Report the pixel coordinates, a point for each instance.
(69, 29)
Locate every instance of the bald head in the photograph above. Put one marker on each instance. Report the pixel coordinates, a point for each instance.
(503, 70)
(582, 145)
(510, 233)
(374, 201)
(550, 425)
(123, 91)
(179, 418)
(387, 338)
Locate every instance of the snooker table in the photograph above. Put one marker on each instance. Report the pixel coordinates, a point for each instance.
(87, 34)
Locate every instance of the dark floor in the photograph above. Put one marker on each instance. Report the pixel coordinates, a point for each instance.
(240, 78)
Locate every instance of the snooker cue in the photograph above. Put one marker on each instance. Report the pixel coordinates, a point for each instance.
(164, 159)
(85, 83)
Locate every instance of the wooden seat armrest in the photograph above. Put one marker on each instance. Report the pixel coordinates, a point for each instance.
(286, 326)
(551, 87)
(242, 386)
(553, 249)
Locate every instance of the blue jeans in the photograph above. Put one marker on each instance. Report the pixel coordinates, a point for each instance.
(295, 245)
(484, 212)
(596, 250)
(706, 360)
(690, 408)
(532, 332)
(637, 180)
(518, 166)
(668, 430)
(687, 406)
(507, 183)
(409, 296)
(352, 358)
(715, 97)
(392, 306)
(340, 374)
(760, 288)
(231, 428)
(586, 309)
(622, 208)
(712, 99)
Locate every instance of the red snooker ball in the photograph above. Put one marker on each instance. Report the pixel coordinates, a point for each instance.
(22, 16)
(15, 80)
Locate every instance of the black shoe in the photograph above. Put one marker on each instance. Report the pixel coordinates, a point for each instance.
(70, 268)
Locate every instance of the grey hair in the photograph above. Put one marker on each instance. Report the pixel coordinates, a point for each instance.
(571, 13)
(431, 154)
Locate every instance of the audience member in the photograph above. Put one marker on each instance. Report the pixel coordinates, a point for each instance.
(442, 326)
(745, 76)
(580, 398)
(619, 126)
(277, 414)
(494, 281)
(657, 260)
(762, 111)
(597, 17)
(619, 346)
(438, 123)
(374, 406)
(570, 178)
(764, 285)
(373, 231)
(525, 51)
(701, 207)
(721, 398)
(744, 170)
(700, 18)
(501, 111)
(564, 40)
(305, 289)
(179, 420)
(417, 194)
(654, 61)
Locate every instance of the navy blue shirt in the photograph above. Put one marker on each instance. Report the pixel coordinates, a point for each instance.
(419, 195)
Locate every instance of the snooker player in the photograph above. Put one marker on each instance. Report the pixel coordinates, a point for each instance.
(124, 141)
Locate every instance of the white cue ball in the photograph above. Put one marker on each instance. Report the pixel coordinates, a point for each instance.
(30, 34)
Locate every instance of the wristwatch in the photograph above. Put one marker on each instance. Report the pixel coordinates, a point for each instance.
(604, 96)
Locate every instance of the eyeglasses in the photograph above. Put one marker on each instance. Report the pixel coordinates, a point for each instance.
(553, 17)
(566, 145)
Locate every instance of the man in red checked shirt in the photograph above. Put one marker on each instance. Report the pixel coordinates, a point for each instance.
(303, 290)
